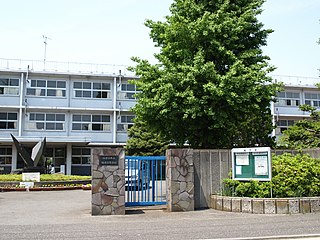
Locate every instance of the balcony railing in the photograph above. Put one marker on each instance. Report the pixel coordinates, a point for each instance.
(296, 80)
(110, 69)
(63, 67)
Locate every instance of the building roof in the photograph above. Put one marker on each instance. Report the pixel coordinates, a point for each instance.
(297, 81)
(74, 68)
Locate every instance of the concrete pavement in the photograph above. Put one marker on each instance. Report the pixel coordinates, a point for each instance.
(67, 215)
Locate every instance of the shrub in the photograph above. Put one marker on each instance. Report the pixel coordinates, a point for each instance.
(253, 188)
(295, 176)
(292, 176)
(43, 177)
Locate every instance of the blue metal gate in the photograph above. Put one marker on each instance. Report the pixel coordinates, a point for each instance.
(145, 180)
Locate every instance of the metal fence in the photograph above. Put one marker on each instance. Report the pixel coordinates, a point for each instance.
(145, 180)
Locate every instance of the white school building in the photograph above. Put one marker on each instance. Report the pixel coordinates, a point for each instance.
(77, 106)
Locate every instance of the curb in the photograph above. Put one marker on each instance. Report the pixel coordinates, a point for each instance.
(307, 236)
(11, 189)
(266, 205)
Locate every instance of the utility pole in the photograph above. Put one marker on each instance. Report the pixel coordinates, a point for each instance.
(45, 41)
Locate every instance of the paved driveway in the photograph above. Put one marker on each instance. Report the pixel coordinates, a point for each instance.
(66, 215)
(48, 207)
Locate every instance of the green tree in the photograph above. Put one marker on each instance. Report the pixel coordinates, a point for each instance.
(304, 133)
(210, 87)
(144, 142)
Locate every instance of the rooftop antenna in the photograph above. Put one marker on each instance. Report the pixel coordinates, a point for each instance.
(45, 41)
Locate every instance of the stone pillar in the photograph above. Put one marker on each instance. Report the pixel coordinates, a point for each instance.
(180, 180)
(69, 159)
(14, 161)
(108, 181)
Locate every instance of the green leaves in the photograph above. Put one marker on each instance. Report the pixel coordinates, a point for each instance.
(292, 176)
(304, 133)
(210, 88)
(145, 142)
(296, 176)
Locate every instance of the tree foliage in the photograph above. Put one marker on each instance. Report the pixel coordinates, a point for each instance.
(304, 133)
(292, 176)
(210, 87)
(145, 142)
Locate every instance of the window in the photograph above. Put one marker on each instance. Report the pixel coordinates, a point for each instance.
(86, 122)
(5, 155)
(8, 120)
(47, 88)
(127, 91)
(288, 99)
(92, 90)
(9, 86)
(283, 125)
(312, 99)
(55, 156)
(46, 121)
(81, 156)
(126, 122)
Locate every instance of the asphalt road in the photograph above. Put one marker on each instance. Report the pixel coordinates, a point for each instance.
(67, 215)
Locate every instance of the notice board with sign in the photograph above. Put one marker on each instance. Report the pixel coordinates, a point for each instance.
(251, 164)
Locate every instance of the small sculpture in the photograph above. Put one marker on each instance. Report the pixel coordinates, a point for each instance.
(31, 162)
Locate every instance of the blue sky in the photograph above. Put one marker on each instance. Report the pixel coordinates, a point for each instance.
(293, 45)
(111, 31)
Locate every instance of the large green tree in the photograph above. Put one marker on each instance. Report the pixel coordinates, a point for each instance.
(210, 87)
(144, 142)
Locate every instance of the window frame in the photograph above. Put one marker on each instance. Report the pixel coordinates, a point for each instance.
(314, 99)
(282, 127)
(125, 123)
(9, 89)
(125, 94)
(91, 90)
(54, 157)
(287, 99)
(82, 156)
(7, 156)
(8, 121)
(37, 120)
(43, 88)
(87, 123)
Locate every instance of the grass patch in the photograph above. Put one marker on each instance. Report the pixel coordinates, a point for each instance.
(43, 177)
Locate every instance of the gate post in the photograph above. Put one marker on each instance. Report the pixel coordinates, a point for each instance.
(180, 180)
(108, 181)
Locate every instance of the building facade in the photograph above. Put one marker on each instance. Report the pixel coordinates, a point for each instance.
(286, 109)
(78, 106)
(74, 106)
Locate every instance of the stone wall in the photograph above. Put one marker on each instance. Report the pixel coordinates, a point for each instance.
(108, 182)
(266, 205)
(180, 180)
(211, 167)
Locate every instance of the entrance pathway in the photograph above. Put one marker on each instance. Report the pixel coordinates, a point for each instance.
(66, 215)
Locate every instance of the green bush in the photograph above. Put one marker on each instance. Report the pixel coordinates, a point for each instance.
(292, 176)
(43, 177)
(253, 188)
(61, 177)
(296, 176)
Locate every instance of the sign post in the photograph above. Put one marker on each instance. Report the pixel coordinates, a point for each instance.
(251, 164)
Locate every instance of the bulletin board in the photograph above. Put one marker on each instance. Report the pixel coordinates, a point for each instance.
(251, 164)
